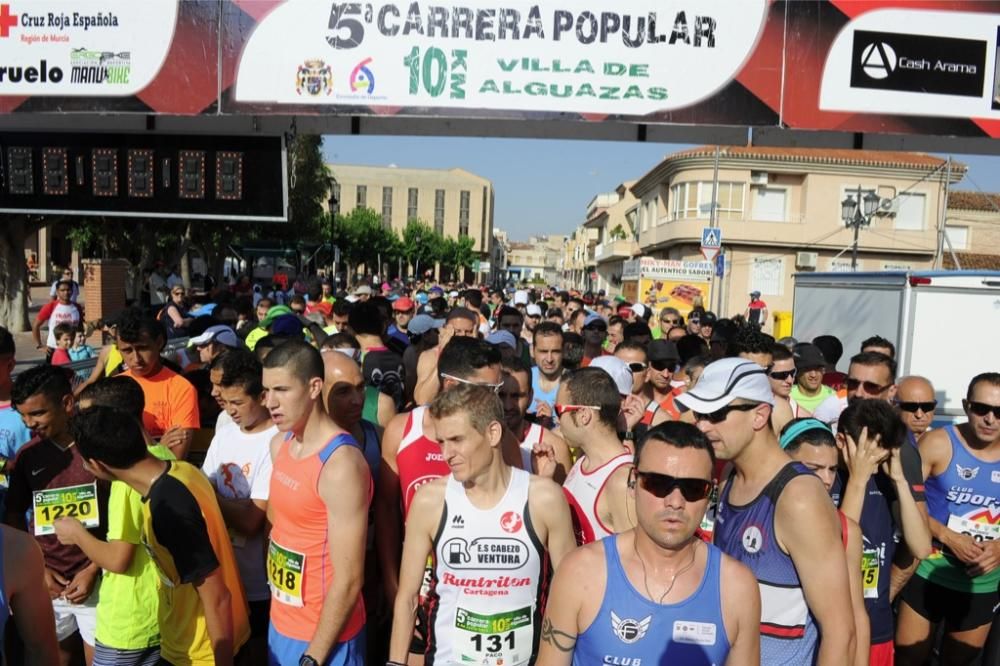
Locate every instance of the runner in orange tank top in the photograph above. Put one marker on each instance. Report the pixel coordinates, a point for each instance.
(318, 507)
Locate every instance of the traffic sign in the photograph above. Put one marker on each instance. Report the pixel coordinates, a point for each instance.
(711, 242)
(720, 265)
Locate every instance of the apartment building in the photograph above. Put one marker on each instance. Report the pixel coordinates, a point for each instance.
(613, 216)
(779, 212)
(538, 259)
(973, 229)
(455, 202)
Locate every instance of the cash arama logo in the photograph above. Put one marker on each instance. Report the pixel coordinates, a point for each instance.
(918, 63)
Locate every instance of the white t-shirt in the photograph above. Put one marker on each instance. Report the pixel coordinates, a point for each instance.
(239, 466)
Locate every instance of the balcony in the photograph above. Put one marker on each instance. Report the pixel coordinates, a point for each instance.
(615, 250)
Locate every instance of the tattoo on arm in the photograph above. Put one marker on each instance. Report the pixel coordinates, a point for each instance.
(558, 639)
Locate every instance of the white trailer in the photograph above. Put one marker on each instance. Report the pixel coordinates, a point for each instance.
(945, 324)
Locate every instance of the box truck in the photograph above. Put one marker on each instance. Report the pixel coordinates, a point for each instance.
(945, 324)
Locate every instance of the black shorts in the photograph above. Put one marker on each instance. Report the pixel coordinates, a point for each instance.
(961, 611)
(260, 618)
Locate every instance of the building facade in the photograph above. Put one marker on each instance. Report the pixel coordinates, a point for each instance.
(779, 212)
(973, 231)
(537, 260)
(613, 215)
(454, 202)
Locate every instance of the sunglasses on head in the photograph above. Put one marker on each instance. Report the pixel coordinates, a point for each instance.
(782, 375)
(493, 387)
(982, 408)
(660, 485)
(720, 415)
(871, 388)
(925, 407)
(567, 409)
(662, 365)
(636, 366)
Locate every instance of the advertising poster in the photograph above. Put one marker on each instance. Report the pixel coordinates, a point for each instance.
(681, 294)
(921, 67)
(661, 283)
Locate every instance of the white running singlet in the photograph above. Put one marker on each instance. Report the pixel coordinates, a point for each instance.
(583, 489)
(531, 437)
(484, 603)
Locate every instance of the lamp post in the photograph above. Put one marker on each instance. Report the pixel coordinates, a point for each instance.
(855, 216)
(416, 251)
(334, 207)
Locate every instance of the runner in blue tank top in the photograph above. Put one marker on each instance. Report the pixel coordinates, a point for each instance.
(775, 517)
(957, 584)
(656, 594)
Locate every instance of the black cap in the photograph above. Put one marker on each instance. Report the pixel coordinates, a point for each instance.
(708, 319)
(662, 350)
(807, 356)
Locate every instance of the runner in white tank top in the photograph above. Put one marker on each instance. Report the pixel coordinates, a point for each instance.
(492, 530)
(583, 489)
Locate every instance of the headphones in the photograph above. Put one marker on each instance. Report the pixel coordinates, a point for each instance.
(631, 478)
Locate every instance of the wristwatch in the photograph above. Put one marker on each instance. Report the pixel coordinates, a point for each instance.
(306, 660)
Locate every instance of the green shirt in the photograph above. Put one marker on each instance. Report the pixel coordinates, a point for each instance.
(811, 403)
(127, 604)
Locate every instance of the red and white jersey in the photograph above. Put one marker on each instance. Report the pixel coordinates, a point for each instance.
(419, 459)
(532, 435)
(583, 490)
(58, 313)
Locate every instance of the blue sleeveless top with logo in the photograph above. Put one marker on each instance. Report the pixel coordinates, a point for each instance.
(788, 631)
(965, 499)
(631, 629)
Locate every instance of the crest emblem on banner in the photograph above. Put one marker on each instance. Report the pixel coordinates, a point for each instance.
(315, 78)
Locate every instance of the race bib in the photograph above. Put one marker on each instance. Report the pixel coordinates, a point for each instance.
(284, 572)
(78, 502)
(500, 639)
(869, 573)
(975, 529)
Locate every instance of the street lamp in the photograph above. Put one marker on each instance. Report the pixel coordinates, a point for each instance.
(334, 207)
(855, 217)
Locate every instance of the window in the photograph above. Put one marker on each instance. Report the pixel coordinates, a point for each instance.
(911, 212)
(768, 276)
(387, 207)
(463, 214)
(840, 266)
(411, 203)
(694, 200)
(362, 196)
(651, 211)
(769, 204)
(439, 211)
(958, 237)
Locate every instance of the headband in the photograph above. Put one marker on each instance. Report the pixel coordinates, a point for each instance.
(805, 425)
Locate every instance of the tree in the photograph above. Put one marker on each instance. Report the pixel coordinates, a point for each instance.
(363, 239)
(422, 246)
(309, 188)
(458, 254)
(14, 270)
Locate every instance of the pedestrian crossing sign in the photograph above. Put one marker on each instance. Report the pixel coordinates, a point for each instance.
(711, 237)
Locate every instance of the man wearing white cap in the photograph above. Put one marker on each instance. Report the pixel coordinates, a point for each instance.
(214, 341)
(776, 517)
(532, 317)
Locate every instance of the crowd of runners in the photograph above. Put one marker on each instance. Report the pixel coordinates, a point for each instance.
(437, 474)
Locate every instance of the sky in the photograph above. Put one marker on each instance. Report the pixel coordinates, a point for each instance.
(545, 186)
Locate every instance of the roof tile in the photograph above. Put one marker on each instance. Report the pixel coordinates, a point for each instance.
(823, 155)
(973, 261)
(962, 200)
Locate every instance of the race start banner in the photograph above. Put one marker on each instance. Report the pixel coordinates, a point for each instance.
(892, 66)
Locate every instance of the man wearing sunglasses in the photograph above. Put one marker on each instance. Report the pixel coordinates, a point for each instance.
(810, 366)
(669, 318)
(411, 455)
(681, 613)
(460, 323)
(916, 402)
(587, 407)
(663, 360)
(958, 584)
(775, 516)
(490, 528)
(594, 332)
(782, 377)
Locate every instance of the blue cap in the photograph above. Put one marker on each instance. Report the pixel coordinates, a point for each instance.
(591, 318)
(502, 338)
(288, 324)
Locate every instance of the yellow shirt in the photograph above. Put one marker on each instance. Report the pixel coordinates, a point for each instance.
(185, 536)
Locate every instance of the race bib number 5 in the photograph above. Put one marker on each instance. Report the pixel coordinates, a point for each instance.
(869, 573)
(284, 571)
(78, 502)
(499, 639)
(973, 528)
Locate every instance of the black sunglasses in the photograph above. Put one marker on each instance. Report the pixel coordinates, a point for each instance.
(982, 408)
(660, 485)
(720, 415)
(782, 375)
(871, 388)
(636, 366)
(663, 365)
(601, 328)
(925, 407)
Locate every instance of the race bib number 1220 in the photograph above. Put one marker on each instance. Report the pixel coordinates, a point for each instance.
(78, 502)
